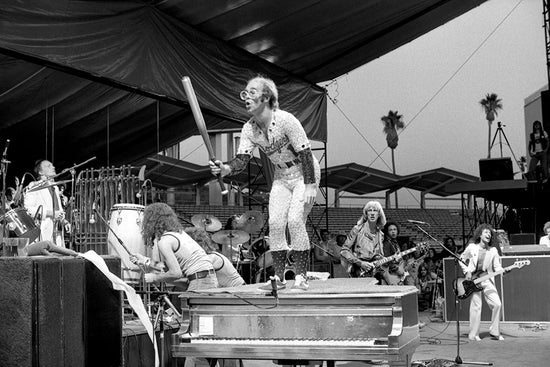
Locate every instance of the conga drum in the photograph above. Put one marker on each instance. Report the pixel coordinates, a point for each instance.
(125, 221)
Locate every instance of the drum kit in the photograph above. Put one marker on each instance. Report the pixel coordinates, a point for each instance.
(234, 241)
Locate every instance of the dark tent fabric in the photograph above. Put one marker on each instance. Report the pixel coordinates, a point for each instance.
(141, 51)
(82, 78)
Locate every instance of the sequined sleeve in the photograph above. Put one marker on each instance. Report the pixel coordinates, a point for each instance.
(308, 168)
(238, 163)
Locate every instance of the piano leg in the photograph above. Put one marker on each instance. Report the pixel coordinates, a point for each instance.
(402, 363)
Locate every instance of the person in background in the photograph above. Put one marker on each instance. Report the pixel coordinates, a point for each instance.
(395, 273)
(545, 240)
(282, 138)
(538, 147)
(450, 244)
(323, 252)
(41, 200)
(481, 256)
(364, 242)
(425, 284)
(182, 256)
(226, 273)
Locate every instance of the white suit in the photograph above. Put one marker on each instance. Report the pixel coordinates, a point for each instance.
(43, 197)
(491, 264)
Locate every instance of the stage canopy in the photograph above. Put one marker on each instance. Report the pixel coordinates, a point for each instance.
(103, 78)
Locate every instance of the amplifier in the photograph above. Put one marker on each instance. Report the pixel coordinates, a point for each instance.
(495, 169)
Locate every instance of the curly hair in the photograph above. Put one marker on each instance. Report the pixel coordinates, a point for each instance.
(479, 230)
(159, 218)
(202, 237)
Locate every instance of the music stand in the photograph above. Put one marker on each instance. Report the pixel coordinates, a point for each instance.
(457, 259)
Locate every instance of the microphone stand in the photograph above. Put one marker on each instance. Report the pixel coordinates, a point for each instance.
(457, 260)
(4, 168)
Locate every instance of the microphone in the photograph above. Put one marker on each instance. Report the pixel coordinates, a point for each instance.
(418, 222)
(92, 216)
(274, 288)
(4, 155)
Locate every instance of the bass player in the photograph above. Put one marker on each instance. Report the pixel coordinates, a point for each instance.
(482, 256)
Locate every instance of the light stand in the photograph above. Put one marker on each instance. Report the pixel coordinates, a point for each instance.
(500, 133)
(458, 359)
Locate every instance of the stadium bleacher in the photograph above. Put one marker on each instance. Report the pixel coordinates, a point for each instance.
(442, 222)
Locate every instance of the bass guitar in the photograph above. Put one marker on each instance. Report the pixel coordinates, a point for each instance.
(464, 288)
(378, 262)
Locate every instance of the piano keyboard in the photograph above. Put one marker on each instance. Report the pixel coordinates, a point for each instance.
(282, 342)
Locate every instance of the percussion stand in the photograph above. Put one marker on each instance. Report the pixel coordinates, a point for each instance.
(162, 301)
(458, 359)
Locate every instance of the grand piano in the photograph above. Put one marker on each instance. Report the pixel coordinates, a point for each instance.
(343, 319)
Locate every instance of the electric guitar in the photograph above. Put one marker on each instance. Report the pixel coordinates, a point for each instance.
(379, 262)
(464, 288)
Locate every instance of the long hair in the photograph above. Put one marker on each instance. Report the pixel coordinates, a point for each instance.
(381, 216)
(202, 237)
(479, 230)
(159, 218)
(537, 125)
(269, 90)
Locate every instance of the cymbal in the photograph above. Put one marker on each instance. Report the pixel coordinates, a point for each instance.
(208, 222)
(230, 237)
(45, 186)
(251, 221)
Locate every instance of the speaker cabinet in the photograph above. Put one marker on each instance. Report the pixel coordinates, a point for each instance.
(522, 239)
(58, 312)
(494, 169)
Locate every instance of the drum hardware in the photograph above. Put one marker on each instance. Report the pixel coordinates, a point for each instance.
(46, 184)
(251, 221)
(71, 169)
(21, 223)
(229, 237)
(207, 222)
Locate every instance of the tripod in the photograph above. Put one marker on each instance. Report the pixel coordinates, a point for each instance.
(500, 133)
(458, 359)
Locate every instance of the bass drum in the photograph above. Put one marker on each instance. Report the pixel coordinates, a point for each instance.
(21, 223)
(125, 223)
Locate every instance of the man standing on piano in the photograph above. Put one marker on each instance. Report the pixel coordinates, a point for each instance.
(42, 201)
(297, 173)
(364, 243)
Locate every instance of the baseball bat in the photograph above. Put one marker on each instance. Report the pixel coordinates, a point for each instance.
(199, 120)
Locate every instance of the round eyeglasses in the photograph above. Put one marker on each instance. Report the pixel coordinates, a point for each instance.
(252, 93)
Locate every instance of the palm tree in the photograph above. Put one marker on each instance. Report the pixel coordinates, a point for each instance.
(491, 105)
(392, 123)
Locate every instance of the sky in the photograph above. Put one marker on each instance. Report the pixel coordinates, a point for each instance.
(436, 82)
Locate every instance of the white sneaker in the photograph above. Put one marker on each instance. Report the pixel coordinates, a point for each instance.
(300, 282)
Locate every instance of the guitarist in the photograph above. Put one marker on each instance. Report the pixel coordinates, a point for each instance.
(482, 256)
(364, 242)
(394, 273)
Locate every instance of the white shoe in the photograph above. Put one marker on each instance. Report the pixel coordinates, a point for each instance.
(268, 287)
(300, 282)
